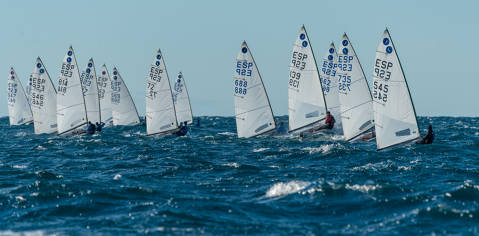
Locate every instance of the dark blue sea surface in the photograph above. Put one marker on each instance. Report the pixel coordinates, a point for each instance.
(211, 182)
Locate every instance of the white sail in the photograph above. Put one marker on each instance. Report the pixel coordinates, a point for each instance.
(71, 111)
(252, 108)
(28, 90)
(329, 81)
(182, 101)
(394, 114)
(19, 111)
(90, 92)
(160, 110)
(305, 95)
(354, 96)
(44, 100)
(123, 108)
(104, 94)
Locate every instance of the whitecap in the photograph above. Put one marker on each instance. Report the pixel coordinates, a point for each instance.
(260, 149)
(233, 164)
(19, 166)
(20, 198)
(226, 133)
(325, 148)
(363, 188)
(283, 189)
(117, 177)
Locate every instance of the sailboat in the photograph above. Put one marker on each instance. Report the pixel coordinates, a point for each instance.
(19, 111)
(253, 112)
(306, 103)
(104, 95)
(90, 92)
(160, 109)
(329, 82)
(394, 113)
(44, 100)
(71, 110)
(123, 108)
(182, 101)
(354, 95)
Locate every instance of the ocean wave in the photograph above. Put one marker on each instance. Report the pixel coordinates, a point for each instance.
(282, 189)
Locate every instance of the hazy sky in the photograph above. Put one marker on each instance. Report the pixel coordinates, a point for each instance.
(434, 40)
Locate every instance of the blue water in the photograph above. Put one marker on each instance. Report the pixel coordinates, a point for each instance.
(211, 182)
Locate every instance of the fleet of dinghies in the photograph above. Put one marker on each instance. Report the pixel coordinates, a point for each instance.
(338, 86)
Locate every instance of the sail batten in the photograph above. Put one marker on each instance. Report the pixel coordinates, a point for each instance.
(253, 112)
(394, 113)
(355, 98)
(19, 111)
(160, 108)
(305, 93)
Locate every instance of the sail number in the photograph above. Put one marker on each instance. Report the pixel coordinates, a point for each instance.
(12, 92)
(115, 95)
(155, 73)
(150, 89)
(66, 72)
(382, 69)
(86, 80)
(102, 83)
(294, 79)
(244, 68)
(329, 68)
(240, 87)
(344, 63)
(37, 99)
(344, 82)
(299, 60)
(380, 92)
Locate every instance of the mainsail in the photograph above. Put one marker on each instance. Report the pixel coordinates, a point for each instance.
(104, 95)
(394, 113)
(71, 111)
(252, 108)
(329, 81)
(160, 110)
(306, 104)
(354, 96)
(90, 92)
(123, 109)
(182, 101)
(19, 111)
(44, 100)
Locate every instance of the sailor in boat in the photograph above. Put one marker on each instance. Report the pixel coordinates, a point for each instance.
(198, 122)
(99, 126)
(429, 138)
(183, 130)
(328, 123)
(281, 128)
(91, 128)
(368, 136)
